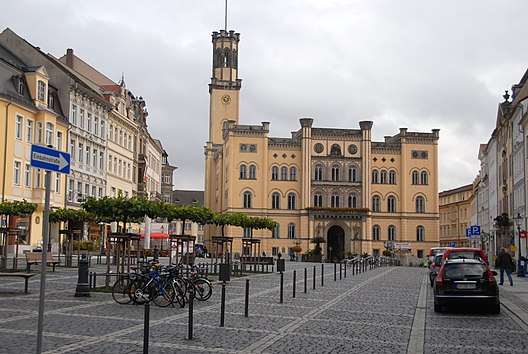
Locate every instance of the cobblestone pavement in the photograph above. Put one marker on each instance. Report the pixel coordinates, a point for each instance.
(384, 310)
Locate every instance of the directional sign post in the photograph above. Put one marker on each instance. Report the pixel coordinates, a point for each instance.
(56, 161)
(50, 159)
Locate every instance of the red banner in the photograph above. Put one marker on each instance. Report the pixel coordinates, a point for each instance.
(523, 234)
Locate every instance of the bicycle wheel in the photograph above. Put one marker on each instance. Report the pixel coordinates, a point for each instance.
(202, 289)
(121, 291)
(141, 291)
(179, 296)
(163, 295)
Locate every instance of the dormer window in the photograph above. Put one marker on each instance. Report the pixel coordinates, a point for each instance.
(51, 100)
(41, 94)
(20, 86)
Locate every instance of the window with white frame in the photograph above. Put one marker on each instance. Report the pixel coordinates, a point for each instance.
(71, 185)
(81, 152)
(102, 128)
(383, 177)
(18, 126)
(420, 234)
(101, 160)
(415, 177)
(81, 118)
(41, 91)
(94, 157)
(252, 172)
(29, 131)
(57, 183)
(72, 149)
(376, 233)
(243, 172)
(38, 178)
(275, 201)
(352, 174)
(318, 173)
(110, 163)
(376, 203)
(424, 177)
(27, 176)
(73, 117)
(284, 173)
(274, 173)
(248, 200)
(392, 177)
(96, 125)
(293, 173)
(89, 122)
(275, 233)
(420, 205)
(16, 173)
(291, 230)
(49, 134)
(88, 151)
(291, 201)
(374, 176)
(336, 173)
(391, 204)
(39, 132)
(391, 233)
(59, 141)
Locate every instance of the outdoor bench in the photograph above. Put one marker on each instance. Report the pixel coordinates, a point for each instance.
(26, 277)
(36, 258)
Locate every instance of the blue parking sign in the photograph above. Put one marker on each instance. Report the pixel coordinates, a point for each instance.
(475, 230)
(468, 232)
(451, 244)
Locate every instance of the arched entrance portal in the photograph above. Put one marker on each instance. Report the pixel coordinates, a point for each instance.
(335, 246)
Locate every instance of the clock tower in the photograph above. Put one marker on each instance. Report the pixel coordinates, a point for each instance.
(225, 84)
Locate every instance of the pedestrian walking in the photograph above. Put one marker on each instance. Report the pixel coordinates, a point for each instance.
(505, 263)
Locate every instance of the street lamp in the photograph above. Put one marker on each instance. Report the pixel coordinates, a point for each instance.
(520, 263)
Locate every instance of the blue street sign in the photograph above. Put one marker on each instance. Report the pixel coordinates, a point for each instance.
(475, 230)
(49, 159)
(468, 232)
(451, 244)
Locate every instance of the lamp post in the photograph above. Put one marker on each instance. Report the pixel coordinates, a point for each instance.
(520, 263)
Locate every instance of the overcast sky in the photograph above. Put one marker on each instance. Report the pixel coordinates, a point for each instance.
(420, 64)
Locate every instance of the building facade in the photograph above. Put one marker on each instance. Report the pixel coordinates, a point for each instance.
(455, 216)
(362, 196)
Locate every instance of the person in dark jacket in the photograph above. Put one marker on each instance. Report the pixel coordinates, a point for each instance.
(505, 263)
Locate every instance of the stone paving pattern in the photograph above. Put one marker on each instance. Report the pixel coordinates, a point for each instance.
(370, 312)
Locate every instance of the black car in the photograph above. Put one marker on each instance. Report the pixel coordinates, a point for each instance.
(466, 281)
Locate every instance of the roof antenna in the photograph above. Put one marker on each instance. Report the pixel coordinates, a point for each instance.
(225, 16)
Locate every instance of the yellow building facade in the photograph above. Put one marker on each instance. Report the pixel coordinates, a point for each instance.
(455, 216)
(361, 196)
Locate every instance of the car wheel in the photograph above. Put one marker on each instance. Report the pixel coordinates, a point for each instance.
(496, 308)
(437, 308)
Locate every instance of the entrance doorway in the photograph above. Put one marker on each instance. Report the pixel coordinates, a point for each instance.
(335, 246)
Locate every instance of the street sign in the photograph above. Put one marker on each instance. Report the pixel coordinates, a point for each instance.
(50, 159)
(475, 230)
(523, 234)
(484, 238)
(451, 244)
(468, 232)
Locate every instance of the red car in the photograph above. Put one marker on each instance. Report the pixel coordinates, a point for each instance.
(465, 253)
(467, 282)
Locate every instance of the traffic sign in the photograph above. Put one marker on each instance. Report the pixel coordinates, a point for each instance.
(468, 232)
(475, 230)
(451, 244)
(50, 159)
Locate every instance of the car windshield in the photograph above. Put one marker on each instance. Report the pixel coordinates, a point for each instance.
(464, 270)
(463, 255)
(438, 259)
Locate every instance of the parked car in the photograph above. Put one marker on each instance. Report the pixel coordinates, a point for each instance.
(435, 267)
(465, 253)
(433, 252)
(466, 281)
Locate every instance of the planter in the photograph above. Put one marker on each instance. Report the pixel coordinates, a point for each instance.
(315, 258)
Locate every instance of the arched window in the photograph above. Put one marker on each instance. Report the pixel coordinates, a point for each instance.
(335, 150)
(243, 170)
(318, 175)
(41, 93)
(318, 200)
(352, 201)
(291, 230)
(284, 174)
(383, 177)
(248, 200)
(49, 133)
(392, 177)
(274, 173)
(376, 203)
(293, 174)
(227, 58)
(291, 201)
(415, 177)
(391, 233)
(334, 200)
(420, 234)
(275, 233)
(376, 233)
(335, 173)
(424, 177)
(391, 204)
(352, 174)
(252, 172)
(374, 176)
(275, 201)
(420, 205)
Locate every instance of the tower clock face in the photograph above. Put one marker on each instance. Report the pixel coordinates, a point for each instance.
(226, 99)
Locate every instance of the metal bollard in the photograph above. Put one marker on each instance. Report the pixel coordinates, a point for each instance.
(191, 309)
(294, 281)
(246, 307)
(314, 278)
(335, 271)
(83, 286)
(281, 287)
(305, 280)
(222, 305)
(94, 280)
(146, 327)
(340, 271)
(322, 274)
(345, 268)
(156, 254)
